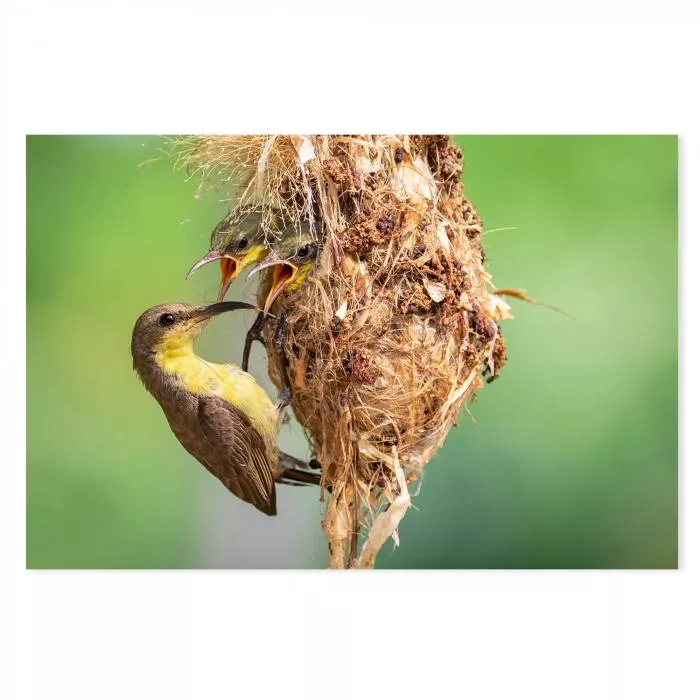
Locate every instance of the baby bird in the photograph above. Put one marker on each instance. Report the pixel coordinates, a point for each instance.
(290, 261)
(236, 245)
(287, 266)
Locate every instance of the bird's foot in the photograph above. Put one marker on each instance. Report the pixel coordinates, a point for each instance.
(289, 462)
(254, 333)
(284, 398)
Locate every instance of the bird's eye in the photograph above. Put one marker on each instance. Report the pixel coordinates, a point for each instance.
(166, 320)
(304, 251)
(243, 243)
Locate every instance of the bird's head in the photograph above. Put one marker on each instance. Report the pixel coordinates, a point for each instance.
(236, 245)
(291, 259)
(173, 326)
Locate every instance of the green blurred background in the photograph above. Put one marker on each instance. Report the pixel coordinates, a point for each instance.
(572, 463)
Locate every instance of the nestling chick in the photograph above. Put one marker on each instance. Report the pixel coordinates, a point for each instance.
(236, 245)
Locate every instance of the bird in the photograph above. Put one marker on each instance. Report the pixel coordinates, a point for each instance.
(218, 412)
(236, 245)
(289, 262)
(291, 258)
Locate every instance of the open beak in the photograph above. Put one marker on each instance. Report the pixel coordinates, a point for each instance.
(206, 312)
(283, 273)
(229, 272)
(229, 269)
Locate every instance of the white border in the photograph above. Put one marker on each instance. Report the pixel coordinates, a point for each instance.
(163, 69)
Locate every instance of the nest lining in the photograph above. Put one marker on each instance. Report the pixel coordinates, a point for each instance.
(396, 327)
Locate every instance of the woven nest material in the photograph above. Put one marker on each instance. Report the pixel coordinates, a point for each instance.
(396, 327)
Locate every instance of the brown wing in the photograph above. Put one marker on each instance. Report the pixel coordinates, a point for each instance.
(238, 457)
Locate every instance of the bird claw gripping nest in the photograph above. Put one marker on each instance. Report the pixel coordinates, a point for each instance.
(395, 328)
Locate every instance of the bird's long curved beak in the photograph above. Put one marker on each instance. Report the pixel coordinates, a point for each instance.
(283, 273)
(205, 259)
(206, 312)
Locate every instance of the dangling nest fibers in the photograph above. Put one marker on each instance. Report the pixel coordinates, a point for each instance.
(397, 325)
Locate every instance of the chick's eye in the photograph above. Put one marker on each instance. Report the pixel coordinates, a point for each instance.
(166, 320)
(303, 251)
(243, 243)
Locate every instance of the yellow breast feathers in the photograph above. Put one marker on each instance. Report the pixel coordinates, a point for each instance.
(227, 381)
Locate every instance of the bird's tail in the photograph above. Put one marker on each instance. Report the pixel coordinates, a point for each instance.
(295, 471)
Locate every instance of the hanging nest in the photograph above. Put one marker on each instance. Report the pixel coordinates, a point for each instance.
(396, 327)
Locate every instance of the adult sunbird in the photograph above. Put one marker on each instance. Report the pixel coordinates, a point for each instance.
(290, 260)
(236, 245)
(218, 412)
